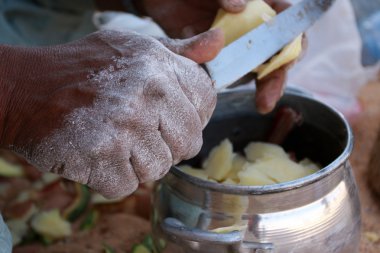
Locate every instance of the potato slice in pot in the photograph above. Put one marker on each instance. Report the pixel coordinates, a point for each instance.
(199, 173)
(280, 170)
(264, 151)
(250, 175)
(238, 163)
(219, 162)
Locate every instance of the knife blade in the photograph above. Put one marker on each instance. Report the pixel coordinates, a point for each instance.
(260, 44)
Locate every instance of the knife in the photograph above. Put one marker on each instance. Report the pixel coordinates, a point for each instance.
(260, 44)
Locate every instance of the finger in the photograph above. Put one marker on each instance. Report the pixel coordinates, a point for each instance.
(269, 90)
(151, 158)
(198, 88)
(233, 6)
(278, 5)
(113, 175)
(181, 129)
(201, 48)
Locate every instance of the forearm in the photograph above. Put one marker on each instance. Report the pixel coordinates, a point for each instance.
(6, 86)
(16, 68)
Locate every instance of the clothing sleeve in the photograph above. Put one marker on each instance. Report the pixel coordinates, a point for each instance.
(45, 22)
(5, 238)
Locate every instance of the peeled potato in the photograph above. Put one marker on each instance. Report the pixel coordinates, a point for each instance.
(287, 54)
(264, 164)
(256, 13)
(279, 170)
(252, 176)
(199, 173)
(309, 165)
(234, 25)
(237, 165)
(219, 162)
(10, 170)
(261, 150)
(228, 181)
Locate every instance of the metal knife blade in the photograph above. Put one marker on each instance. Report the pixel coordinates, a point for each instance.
(257, 46)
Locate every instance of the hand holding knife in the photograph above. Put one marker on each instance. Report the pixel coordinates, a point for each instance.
(260, 44)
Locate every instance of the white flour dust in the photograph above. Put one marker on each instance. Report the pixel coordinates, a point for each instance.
(148, 114)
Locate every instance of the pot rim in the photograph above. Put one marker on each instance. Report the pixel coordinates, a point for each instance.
(281, 187)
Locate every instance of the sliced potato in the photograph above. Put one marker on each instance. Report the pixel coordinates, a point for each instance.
(237, 165)
(262, 151)
(280, 170)
(219, 161)
(309, 165)
(234, 25)
(229, 229)
(266, 164)
(286, 55)
(250, 175)
(10, 170)
(228, 181)
(199, 173)
(50, 224)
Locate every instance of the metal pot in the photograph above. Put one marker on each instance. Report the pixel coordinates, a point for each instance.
(318, 213)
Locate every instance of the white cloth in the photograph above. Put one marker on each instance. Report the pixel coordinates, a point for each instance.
(331, 68)
(5, 238)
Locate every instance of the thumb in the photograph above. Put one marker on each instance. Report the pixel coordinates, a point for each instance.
(201, 48)
(233, 6)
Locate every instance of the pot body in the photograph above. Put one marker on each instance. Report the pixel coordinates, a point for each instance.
(318, 213)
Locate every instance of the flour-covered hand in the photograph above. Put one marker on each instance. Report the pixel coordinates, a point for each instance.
(110, 110)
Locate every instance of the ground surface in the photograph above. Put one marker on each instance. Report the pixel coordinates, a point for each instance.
(366, 127)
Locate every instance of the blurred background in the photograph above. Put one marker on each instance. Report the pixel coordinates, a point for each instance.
(340, 67)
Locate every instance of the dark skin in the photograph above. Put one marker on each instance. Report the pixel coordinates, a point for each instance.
(140, 107)
(196, 16)
(129, 132)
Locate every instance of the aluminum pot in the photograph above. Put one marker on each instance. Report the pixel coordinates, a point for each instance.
(314, 214)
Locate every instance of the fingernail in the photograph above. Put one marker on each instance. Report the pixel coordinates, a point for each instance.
(233, 5)
(236, 3)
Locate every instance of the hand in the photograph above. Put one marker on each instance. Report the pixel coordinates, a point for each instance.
(110, 110)
(270, 89)
(185, 18)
